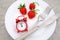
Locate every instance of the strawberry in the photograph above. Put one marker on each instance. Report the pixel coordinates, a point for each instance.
(31, 14)
(22, 9)
(32, 6)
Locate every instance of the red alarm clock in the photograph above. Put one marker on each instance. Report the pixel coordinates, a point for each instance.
(21, 24)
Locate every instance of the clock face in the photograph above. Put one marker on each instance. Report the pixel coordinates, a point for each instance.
(21, 26)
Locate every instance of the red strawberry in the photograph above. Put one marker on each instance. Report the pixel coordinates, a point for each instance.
(22, 9)
(31, 14)
(32, 6)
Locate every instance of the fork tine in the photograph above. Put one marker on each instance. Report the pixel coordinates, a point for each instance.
(46, 12)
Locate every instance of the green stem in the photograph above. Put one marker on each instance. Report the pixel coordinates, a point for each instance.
(36, 3)
(35, 10)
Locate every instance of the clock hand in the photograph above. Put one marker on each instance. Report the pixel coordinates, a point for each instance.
(21, 25)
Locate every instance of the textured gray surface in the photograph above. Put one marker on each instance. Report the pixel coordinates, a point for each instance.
(4, 4)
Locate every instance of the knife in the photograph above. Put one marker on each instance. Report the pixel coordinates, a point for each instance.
(37, 27)
(44, 24)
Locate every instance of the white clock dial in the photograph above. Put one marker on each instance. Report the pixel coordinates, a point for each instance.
(21, 26)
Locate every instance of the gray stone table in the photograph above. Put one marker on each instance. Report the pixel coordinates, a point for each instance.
(4, 4)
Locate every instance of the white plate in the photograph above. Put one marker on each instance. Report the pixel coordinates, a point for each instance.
(13, 13)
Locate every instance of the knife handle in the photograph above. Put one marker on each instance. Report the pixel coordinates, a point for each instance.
(28, 33)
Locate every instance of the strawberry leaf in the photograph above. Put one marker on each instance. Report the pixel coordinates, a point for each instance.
(20, 6)
(35, 10)
(23, 5)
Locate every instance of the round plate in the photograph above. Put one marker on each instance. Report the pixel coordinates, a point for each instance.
(13, 12)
